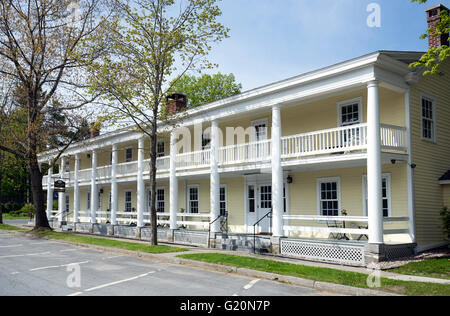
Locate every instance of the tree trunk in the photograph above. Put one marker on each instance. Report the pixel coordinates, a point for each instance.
(40, 216)
(1, 176)
(153, 217)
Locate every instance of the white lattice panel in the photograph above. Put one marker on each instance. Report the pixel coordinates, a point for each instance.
(353, 254)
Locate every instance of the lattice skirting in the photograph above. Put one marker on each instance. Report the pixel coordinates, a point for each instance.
(352, 254)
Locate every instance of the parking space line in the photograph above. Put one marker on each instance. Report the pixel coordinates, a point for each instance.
(25, 255)
(59, 266)
(11, 246)
(250, 285)
(112, 283)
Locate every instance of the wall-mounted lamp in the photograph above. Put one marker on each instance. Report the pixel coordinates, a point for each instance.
(289, 179)
(393, 161)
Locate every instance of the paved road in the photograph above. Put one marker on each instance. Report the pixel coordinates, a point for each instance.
(41, 267)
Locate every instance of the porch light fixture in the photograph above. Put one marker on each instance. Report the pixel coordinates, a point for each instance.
(289, 179)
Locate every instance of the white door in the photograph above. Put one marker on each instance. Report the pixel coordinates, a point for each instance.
(265, 206)
(259, 203)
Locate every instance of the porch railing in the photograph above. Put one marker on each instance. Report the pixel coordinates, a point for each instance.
(352, 225)
(333, 140)
(195, 159)
(245, 153)
(329, 141)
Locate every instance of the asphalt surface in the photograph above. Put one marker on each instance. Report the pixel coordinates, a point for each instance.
(47, 268)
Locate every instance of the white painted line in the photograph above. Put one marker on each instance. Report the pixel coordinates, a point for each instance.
(118, 282)
(250, 285)
(60, 266)
(75, 294)
(14, 272)
(11, 246)
(30, 254)
(67, 250)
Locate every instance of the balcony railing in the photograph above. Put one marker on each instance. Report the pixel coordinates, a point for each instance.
(323, 142)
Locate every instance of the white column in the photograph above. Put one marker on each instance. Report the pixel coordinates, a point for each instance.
(374, 180)
(215, 177)
(94, 193)
(277, 174)
(173, 182)
(62, 195)
(140, 184)
(410, 171)
(114, 187)
(49, 192)
(76, 190)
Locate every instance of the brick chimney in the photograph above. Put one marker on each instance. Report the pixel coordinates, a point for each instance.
(433, 17)
(176, 102)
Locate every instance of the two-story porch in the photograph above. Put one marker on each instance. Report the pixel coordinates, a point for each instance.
(331, 165)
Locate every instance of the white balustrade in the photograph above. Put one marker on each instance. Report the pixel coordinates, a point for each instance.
(195, 159)
(340, 139)
(245, 153)
(393, 137)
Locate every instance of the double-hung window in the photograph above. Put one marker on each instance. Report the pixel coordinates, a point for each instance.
(193, 199)
(428, 118)
(160, 200)
(223, 200)
(160, 150)
(128, 201)
(350, 113)
(128, 154)
(386, 195)
(329, 196)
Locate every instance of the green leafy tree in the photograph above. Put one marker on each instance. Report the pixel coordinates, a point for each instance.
(42, 58)
(206, 88)
(157, 42)
(434, 57)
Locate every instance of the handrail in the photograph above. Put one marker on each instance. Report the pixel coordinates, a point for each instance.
(209, 229)
(254, 229)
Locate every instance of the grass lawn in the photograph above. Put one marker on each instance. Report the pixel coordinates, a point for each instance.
(141, 247)
(433, 268)
(10, 227)
(321, 274)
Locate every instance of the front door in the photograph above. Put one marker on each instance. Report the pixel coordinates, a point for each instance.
(259, 203)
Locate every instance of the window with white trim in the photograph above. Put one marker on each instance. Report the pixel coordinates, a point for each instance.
(350, 112)
(329, 196)
(128, 154)
(223, 200)
(160, 200)
(428, 115)
(386, 195)
(161, 150)
(193, 199)
(251, 199)
(67, 203)
(88, 200)
(128, 201)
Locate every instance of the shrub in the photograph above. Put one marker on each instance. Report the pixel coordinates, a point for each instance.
(445, 214)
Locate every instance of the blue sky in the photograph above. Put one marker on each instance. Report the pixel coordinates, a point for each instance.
(271, 40)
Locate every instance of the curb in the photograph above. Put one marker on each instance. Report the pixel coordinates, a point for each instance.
(170, 258)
